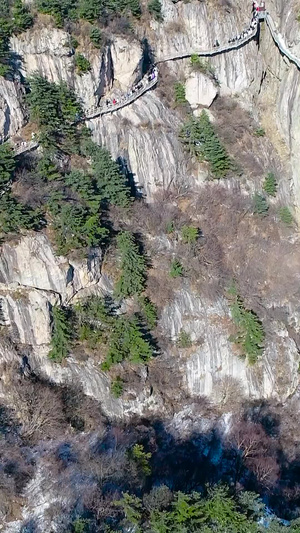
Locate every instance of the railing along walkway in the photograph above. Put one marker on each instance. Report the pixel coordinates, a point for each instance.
(213, 51)
(98, 111)
(278, 39)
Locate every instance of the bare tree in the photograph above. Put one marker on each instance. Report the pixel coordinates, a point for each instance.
(265, 468)
(249, 439)
(255, 451)
(38, 409)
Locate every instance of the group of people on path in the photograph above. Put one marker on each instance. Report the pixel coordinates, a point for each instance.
(150, 76)
(248, 31)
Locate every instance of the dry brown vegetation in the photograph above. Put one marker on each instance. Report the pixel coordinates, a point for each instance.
(175, 26)
(236, 127)
(233, 243)
(165, 87)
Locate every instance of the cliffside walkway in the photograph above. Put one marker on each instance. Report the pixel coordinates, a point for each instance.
(278, 39)
(147, 85)
(212, 51)
(99, 111)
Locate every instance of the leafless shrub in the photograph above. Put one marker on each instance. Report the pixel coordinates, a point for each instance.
(248, 438)
(235, 127)
(30, 189)
(38, 409)
(160, 288)
(265, 469)
(157, 217)
(256, 450)
(175, 26)
(165, 86)
(228, 393)
(16, 469)
(81, 411)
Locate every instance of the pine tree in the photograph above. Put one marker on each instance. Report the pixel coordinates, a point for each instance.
(127, 342)
(14, 215)
(132, 508)
(141, 458)
(7, 165)
(176, 269)
(47, 169)
(85, 185)
(56, 110)
(149, 311)
(179, 91)
(184, 339)
(60, 10)
(250, 332)
(286, 216)
(133, 266)
(82, 64)
(154, 7)
(5, 53)
(44, 101)
(96, 37)
(189, 234)
(260, 205)
(270, 184)
(117, 387)
(61, 336)
(75, 227)
(201, 140)
(111, 185)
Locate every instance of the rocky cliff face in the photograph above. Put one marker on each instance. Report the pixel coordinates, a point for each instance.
(280, 98)
(32, 280)
(144, 137)
(213, 358)
(12, 115)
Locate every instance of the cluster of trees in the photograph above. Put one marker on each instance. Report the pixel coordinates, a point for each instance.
(261, 205)
(15, 17)
(250, 333)
(14, 215)
(200, 139)
(154, 7)
(92, 11)
(73, 199)
(94, 322)
(75, 226)
(55, 109)
(163, 511)
(137, 476)
(75, 202)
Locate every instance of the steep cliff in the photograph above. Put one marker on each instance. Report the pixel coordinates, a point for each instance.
(252, 98)
(144, 136)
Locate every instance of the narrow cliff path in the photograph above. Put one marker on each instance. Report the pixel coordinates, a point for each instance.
(279, 41)
(146, 85)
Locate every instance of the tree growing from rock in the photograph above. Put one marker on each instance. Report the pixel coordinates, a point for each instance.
(250, 334)
(61, 335)
(270, 184)
(201, 140)
(133, 266)
(127, 342)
